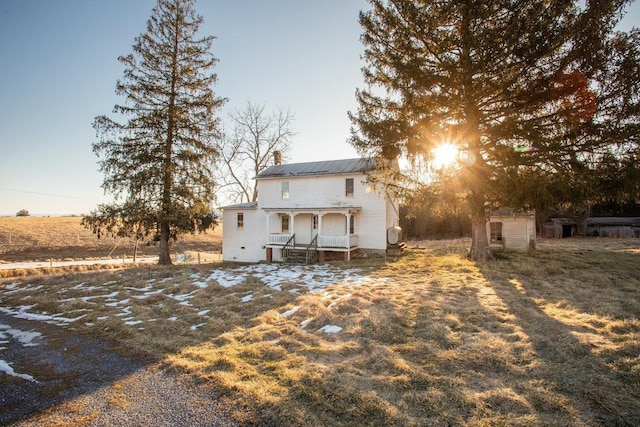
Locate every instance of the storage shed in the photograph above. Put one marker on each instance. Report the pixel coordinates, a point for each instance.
(512, 230)
(559, 227)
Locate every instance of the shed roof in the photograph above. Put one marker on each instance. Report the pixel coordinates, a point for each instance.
(512, 212)
(327, 167)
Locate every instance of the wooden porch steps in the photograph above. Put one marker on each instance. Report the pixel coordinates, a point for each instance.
(300, 256)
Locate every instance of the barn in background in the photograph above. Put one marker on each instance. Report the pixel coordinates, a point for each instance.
(596, 226)
(613, 227)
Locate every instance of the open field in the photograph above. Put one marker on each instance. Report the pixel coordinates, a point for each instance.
(550, 338)
(63, 238)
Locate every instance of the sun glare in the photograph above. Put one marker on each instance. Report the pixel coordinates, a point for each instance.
(444, 155)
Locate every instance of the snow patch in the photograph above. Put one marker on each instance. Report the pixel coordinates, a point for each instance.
(7, 369)
(24, 337)
(201, 284)
(331, 329)
(290, 312)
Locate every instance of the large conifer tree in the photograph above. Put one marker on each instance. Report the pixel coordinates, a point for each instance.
(157, 158)
(517, 85)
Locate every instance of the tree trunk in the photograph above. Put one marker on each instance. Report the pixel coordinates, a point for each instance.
(480, 250)
(164, 257)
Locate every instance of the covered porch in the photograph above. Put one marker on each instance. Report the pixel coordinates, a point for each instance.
(317, 230)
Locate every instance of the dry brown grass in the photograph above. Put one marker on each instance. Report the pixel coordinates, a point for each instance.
(550, 338)
(63, 238)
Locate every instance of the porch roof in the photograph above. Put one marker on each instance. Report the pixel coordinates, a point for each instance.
(342, 208)
(249, 205)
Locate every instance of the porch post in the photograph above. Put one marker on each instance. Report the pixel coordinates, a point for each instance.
(320, 215)
(348, 235)
(292, 223)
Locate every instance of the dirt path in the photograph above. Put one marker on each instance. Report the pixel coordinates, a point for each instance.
(79, 380)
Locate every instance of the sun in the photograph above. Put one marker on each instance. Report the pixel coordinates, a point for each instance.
(444, 155)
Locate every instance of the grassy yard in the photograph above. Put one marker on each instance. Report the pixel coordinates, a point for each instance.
(550, 338)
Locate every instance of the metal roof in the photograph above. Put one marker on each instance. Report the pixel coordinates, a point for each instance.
(248, 205)
(327, 167)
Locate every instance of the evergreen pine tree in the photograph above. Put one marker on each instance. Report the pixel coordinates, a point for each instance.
(157, 160)
(515, 84)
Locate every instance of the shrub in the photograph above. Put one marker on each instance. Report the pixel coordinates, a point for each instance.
(23, 212)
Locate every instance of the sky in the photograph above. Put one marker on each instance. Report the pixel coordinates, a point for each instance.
(59, 68)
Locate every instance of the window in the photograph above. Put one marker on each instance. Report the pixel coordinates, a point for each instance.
(240, 220)
(349, 187)
(352, 225)
(285, 190)
(315, 222)
(285, 223)
(495, 231)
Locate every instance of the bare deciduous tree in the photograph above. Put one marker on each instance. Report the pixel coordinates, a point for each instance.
(247, 149)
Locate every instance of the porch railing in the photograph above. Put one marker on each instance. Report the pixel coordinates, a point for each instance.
(312, 250)
(321, 241)
(289, 246)
(337, 241)
(279, 239)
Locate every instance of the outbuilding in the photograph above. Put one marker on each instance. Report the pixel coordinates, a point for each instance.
(512, 230)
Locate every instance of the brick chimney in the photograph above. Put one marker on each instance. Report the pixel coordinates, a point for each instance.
(277, 158)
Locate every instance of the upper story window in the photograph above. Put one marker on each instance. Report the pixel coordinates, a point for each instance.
(285, 190)
(240, 220)
(495, 231)
(349, 187)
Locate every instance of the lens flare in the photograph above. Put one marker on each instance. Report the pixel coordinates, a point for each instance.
(444, 155)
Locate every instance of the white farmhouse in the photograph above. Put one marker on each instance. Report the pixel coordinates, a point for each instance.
(308, 210)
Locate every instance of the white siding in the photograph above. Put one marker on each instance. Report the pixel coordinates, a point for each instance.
(312, 191)
(518, 231)
(372, 219)
(334, 224)
(243, 245)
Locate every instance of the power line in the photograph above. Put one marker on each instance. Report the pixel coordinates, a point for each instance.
(44, 194)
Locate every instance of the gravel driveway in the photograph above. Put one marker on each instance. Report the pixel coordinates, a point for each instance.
(78, 380)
